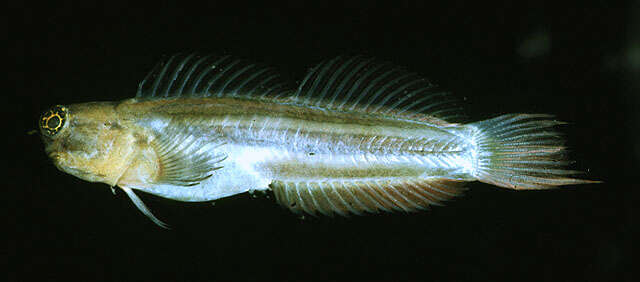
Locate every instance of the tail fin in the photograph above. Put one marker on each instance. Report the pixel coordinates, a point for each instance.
(521, 151)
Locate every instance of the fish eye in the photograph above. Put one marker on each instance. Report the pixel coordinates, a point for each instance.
(52, 121)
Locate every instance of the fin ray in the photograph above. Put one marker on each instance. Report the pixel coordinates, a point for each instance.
(343, 84)
(398, 93)
(186, 155)
(358, 197)
(522, 151)
(196, 76)
(143, 208)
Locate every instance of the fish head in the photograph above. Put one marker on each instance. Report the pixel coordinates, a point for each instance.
(86, 140)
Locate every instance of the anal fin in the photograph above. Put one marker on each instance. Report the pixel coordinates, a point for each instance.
(358, 197)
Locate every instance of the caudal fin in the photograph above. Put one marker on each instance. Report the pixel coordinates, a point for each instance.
(522, 151)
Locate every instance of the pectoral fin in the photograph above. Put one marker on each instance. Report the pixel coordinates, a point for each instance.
(187, 153)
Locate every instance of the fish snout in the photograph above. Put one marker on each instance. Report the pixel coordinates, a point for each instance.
(54, 156)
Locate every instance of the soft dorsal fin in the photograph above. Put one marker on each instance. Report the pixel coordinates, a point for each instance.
(193, 75)
(346, 197)
(186, 154)
(362, 84)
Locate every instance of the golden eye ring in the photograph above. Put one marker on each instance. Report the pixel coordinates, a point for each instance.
(54, 119)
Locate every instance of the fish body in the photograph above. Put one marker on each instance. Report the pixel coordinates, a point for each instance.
(355, 136)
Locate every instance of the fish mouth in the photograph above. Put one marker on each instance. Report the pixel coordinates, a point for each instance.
(57, 161)
(55, 157)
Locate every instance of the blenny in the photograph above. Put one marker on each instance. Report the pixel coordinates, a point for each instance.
(355, 136)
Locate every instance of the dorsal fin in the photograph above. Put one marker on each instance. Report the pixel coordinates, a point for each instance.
(193, 75)
(362, 84)
(343, 84)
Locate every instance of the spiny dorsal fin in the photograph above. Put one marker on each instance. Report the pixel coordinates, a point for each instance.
(346, 197)
(193, 75)
(362, 84)
(186, 154)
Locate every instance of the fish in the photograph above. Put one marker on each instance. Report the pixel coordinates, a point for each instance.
(355, 136)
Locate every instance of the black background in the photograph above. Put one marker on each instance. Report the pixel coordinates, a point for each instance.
(571, 59)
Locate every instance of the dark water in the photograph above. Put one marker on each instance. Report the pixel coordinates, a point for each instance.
(575, 60)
